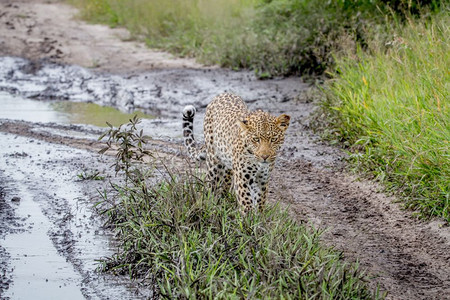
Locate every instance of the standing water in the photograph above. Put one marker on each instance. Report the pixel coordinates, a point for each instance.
(39, 272)
(67, 112)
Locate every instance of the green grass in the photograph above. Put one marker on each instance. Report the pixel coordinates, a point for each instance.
(391, 106)
(185, 27)
(185, 242)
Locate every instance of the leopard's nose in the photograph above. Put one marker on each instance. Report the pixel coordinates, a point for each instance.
(265, 157)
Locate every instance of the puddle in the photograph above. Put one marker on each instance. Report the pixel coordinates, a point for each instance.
(66, 112)
(39, 272)
(93, 114)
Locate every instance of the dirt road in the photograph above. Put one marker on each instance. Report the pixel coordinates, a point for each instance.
(407, 257)
(37, 29)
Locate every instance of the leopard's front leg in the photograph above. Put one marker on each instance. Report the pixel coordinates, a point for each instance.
(262, 180)
(241, 176)
(250, 184)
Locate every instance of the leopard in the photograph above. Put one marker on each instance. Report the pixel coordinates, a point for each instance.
(240, 147)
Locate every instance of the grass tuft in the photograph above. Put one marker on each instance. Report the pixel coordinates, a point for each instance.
(190, 243)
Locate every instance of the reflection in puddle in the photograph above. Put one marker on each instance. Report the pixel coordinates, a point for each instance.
(17, 108)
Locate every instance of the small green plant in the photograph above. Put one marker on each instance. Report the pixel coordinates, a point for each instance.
(128, 145)
(90, 175)
(184, 241)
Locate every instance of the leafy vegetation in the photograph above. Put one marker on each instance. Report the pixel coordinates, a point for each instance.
(391, 106)
(131, 147)
(186, 242)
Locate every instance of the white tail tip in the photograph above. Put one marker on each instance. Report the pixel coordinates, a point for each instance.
(189, 111)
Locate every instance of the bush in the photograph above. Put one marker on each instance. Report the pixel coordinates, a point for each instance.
(296, 37)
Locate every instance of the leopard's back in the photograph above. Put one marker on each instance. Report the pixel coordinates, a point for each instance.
(220, 125)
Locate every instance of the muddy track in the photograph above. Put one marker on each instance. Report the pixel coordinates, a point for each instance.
(408, 258)
(46, 132)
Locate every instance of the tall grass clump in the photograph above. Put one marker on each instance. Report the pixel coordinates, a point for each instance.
(185, 242)
(302, 37)
(391, 106)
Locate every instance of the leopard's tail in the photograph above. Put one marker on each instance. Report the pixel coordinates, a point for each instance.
(195, 152)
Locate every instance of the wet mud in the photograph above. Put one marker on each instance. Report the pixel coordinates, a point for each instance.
(159, 93)
(403, 256)
(43, 201)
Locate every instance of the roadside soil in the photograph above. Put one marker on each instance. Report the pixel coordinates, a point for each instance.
(403, 256)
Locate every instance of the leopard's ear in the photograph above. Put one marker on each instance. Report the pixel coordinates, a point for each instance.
(243, 124)
(283, 121)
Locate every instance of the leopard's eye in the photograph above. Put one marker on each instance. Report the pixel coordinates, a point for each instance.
(273, 140)
(255, 140)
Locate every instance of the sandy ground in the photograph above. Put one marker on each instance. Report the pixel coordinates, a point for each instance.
(408, 258)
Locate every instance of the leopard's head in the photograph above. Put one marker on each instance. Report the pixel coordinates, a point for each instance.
(263, 134)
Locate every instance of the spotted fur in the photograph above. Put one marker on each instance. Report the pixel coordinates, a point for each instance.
(241, 147)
